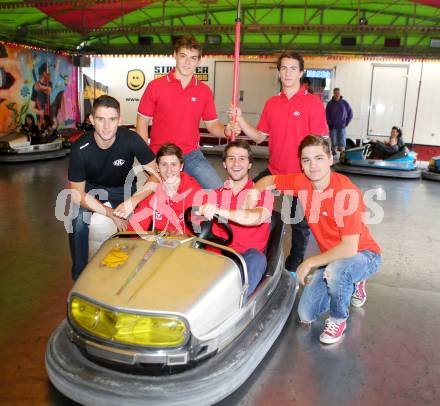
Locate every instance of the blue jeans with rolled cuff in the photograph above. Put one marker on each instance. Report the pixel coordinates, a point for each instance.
(333, 292)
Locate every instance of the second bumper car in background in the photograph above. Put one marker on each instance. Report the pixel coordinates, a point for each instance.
(16, 147)
(433, 171)
(402, 164)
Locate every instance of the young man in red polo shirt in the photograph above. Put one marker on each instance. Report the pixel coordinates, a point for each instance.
(334, 210)
(175, 104)
(165, 208)
(286, 119)
(251, 227)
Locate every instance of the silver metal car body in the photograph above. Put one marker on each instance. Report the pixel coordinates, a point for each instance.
(171, 276)
(211, 357)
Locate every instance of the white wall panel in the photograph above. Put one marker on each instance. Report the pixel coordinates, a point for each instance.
(258, 81)
(388, 98)
(354, 80)
(427, 130)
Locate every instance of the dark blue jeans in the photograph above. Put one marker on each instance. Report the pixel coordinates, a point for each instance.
(79, 237)
(300, 232)
(256, 263)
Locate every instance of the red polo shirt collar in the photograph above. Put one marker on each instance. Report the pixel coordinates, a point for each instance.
(249, 185)
(171, 78)
(301, 92)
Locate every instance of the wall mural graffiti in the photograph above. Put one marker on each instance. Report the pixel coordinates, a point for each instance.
(38, 83)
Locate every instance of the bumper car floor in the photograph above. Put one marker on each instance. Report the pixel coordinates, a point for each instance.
(387, 356)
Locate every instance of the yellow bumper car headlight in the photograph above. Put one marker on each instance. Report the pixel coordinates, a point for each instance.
(125, 328)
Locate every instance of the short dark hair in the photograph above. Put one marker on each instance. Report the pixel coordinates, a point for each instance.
(106, 101)
(336, 89)
(239, 143)
(188, 42)
(168, 150)
(291, 55)
(315, 141)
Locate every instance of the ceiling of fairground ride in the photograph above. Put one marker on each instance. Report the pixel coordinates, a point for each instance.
(149, 26)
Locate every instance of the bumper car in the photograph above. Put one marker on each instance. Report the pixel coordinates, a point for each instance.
(433, 171)
(16, 147)
(163, 319)
(402, 164)
(69, 136)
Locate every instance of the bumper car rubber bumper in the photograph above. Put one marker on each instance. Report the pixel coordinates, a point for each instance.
(430, 175)
(33, 156)
(212, 380)
(364, 170)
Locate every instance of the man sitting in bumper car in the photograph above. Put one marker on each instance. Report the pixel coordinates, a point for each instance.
(178, 191)
(164, 209)
(251, 227)
(383, 150)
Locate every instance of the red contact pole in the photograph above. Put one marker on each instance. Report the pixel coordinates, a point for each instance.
(236, 62)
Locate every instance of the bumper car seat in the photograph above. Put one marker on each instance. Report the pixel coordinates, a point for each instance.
(275, 242)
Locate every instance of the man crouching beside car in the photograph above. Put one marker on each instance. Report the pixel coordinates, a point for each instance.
(334, 209)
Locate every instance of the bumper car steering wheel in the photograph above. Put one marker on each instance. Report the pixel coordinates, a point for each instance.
(206, 227)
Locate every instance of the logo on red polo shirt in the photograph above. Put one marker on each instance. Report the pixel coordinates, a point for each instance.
(296, 113)
(194, 99)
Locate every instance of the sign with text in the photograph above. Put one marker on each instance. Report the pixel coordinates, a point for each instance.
(202, 72)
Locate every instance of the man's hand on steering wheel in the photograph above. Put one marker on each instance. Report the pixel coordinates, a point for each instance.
(207, 210)
(205, 227)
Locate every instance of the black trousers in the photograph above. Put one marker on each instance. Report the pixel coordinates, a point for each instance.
(300, 231)
(381, 150)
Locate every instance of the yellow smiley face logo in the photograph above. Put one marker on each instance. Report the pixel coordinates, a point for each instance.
(135, 79)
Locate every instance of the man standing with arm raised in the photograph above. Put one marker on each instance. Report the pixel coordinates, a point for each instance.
(286, 119)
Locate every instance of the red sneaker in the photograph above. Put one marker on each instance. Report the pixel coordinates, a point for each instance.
(332, 332)
(359, 296)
